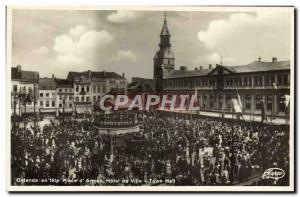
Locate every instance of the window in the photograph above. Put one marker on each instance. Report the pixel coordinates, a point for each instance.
(204, 101)
(41, 94)
(82, 89)
(283, 79)
(228, 101)
(238, 81)
(60, 90)
(24, 89)
(66, 90)
(30, 90)
(53, 95)
(94, 98)
(47, 94)
(82, 98)
(248, 102)
(60, 97)
(211, 101)
(281, 106)
(258, 81)
(88, 88)
(87, 99)
(70, 97)
(269, 80)
(258, 101)
(70, 105)
(269, 102)
(60, 105)
(15, 88)
(47, 103)
(41, 103)
(77, 99)
(94, 89)
(247, 81)
(229, 82)
(53, 103)
(220, 104)
(77, 88)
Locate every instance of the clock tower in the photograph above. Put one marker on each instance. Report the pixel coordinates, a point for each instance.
(164, 61)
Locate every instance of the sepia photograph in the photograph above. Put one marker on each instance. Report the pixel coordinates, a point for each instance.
(165, 99)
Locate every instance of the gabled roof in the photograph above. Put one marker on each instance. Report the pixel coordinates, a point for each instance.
(24, 75)
(63, 83)
(47, 84)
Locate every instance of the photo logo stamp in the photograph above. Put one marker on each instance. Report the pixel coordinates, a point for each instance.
(274, 173)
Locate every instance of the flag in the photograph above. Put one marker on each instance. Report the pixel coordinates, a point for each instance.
(287, 100)
(275, 86)
(236, 106)
(263, 111)
(239, 101)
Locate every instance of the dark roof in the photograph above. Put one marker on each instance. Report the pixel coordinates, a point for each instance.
(141, 85)
(188, 73)
(47, 84)
(256, 66)
(259, 66)
(24, 75)
(103, 74)
(63, 83)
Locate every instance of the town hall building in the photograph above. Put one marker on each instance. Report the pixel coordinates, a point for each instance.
(258, 84)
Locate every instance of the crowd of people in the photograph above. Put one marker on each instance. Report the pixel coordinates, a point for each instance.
(169, 149)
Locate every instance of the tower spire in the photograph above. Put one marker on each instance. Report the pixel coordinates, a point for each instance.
(165, 30)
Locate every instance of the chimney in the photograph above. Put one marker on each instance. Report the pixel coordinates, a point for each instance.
(183, 68)
(196, 68)
(274, 59)
(19, 68)
(104, 73)
(52, 76)
(123, 75)
(259, 59)
(209, 66)
(200, 67)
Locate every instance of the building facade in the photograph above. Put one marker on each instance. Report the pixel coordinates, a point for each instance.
(65, 96)
(47, 96)
(24, 91)
(90, 86)
(258, 84)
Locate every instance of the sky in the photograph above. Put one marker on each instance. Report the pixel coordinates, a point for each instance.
(59, 41)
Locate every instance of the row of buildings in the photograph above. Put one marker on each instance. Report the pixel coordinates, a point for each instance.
(258, 85)
(78, 92)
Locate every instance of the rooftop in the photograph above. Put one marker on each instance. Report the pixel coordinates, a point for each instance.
(256, 66)
(18, 74)
(47, 84)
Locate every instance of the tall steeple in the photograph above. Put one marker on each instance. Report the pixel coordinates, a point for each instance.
(165, 34)
(165, 30)
(164, 61)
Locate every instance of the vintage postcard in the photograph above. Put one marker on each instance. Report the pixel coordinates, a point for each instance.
(150, 99)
